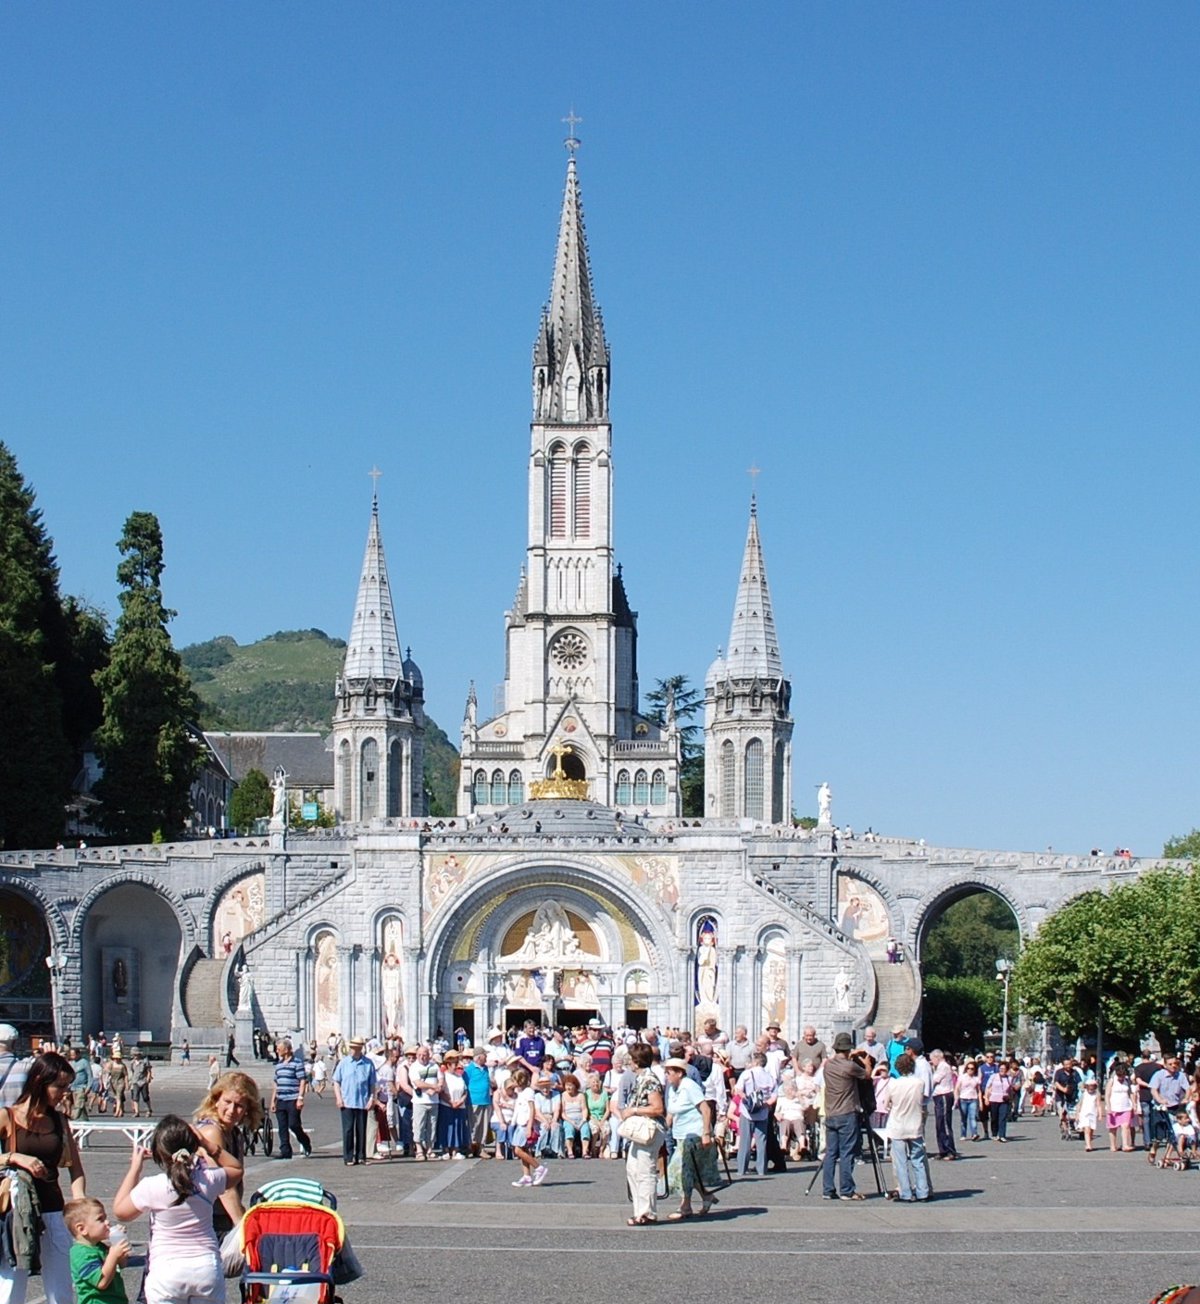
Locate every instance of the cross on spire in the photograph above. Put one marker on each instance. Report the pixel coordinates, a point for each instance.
(374, 473)
(572, 141)
(558, 751)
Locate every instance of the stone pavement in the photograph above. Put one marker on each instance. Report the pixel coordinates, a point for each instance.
(1035, 1217)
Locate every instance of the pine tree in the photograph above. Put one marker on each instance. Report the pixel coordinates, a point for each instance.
(148, 751)
(252, 800)
(34, 759)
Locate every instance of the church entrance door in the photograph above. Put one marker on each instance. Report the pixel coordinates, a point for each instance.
(515, 1018)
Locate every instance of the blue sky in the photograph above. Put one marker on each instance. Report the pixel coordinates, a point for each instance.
(932, 267)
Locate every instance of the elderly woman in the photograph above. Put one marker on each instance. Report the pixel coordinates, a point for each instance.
(694, 1158)
(36, 1141)
(645, 1101)
(756, 1091)
(232, 1104)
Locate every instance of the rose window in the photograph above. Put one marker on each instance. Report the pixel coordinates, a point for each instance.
(569, 651)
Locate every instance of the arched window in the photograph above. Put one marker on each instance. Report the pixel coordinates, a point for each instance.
(481, 788)
(658, 789)
(582, 492)
(516, 788)
(728, 780)
(754, 779)
(641, 789)
(346, 773)
(559, 471)
(778, 814)
(499, 788)
(624, 790)
(395, 778)
(368, 805)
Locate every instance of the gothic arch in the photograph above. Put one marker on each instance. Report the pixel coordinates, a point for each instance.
(56, 925)
(953, 889)
(505, 880)
(135, 878)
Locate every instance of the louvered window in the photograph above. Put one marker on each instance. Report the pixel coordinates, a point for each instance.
(728, 780)
(559, 468)
(754, 779)
(583, 493)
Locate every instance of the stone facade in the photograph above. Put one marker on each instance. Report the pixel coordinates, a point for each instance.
(567, 885)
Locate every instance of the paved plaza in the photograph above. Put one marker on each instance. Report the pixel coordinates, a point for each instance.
(1039, 1216)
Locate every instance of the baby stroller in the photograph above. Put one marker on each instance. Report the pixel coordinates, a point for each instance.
(291, 1235)
(1179, 1152)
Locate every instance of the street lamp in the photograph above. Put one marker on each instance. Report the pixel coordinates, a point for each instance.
(56, 962)
(1004, 968)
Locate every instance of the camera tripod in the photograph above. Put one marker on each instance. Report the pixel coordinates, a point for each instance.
(865, 1132)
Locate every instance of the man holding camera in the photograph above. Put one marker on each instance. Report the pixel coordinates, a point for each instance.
(844, 1074)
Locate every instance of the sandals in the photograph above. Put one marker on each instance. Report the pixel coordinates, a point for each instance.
(708, 1204)
(680, 1215)
(644, 1221)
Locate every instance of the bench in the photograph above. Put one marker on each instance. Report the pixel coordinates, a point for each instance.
(133, 1129)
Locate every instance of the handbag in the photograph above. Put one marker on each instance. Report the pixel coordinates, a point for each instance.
(641, 1129)
(6, 1181)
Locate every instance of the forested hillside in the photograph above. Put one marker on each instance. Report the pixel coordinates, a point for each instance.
(285, 681)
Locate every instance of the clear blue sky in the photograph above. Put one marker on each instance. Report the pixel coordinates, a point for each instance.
(932, 267)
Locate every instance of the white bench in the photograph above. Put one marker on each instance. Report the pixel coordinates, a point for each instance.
(135, 1129)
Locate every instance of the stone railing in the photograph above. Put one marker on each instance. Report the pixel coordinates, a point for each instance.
(807, 913)
(297, 907)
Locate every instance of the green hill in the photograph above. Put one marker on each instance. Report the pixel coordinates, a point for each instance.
(285, 681)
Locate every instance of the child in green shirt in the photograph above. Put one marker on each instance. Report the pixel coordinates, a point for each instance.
(95, 1265)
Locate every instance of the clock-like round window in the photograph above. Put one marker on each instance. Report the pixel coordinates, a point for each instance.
(569, 650)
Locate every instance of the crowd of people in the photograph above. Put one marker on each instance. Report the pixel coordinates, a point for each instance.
(694, 1107)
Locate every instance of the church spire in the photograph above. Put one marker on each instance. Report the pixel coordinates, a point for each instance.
(753, 643)
(570, 355)
(373, 651)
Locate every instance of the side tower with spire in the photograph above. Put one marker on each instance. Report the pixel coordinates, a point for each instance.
(570, 638)
(379, 713)
(747, 706)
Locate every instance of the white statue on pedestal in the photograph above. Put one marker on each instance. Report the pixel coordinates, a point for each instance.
(841, 990)
(824, 806)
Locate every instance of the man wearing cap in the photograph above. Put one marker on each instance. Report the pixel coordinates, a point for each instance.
(842, 1108)
(12, 1069)
(599, 1045)
(353, 1092)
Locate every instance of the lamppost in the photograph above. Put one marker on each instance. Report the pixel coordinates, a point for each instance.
(56, 962)
(1004, 968)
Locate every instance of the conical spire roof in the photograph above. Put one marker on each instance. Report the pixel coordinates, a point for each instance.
(570, 320)
(373, 651)
(753, 643)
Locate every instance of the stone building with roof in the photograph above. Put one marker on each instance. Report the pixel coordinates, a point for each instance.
(568, 884)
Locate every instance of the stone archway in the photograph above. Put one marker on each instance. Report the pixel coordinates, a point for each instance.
(955, 889)
(131, 942)
(480, 959)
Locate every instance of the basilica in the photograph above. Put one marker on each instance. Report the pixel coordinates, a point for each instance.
(568, 884)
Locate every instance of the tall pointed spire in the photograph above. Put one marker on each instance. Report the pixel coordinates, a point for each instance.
(753, 643)
(374, 648)
(570, 355)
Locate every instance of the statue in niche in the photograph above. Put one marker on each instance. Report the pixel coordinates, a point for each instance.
(391, 980)
(706, 964)
(120, 979)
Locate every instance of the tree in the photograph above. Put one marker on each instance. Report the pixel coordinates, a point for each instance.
(1123, 959)
(34, 757)
(148, 753)
(252, 800)
(959, 1011)
(969, 937)
(1185, 848)
(687, 701)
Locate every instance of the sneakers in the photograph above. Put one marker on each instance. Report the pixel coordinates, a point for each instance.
(525, 1180)
(539, 1174)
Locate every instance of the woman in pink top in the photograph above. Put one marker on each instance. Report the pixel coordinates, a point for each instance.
(966, 1096)
(999, 1088)
(185, 1259)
